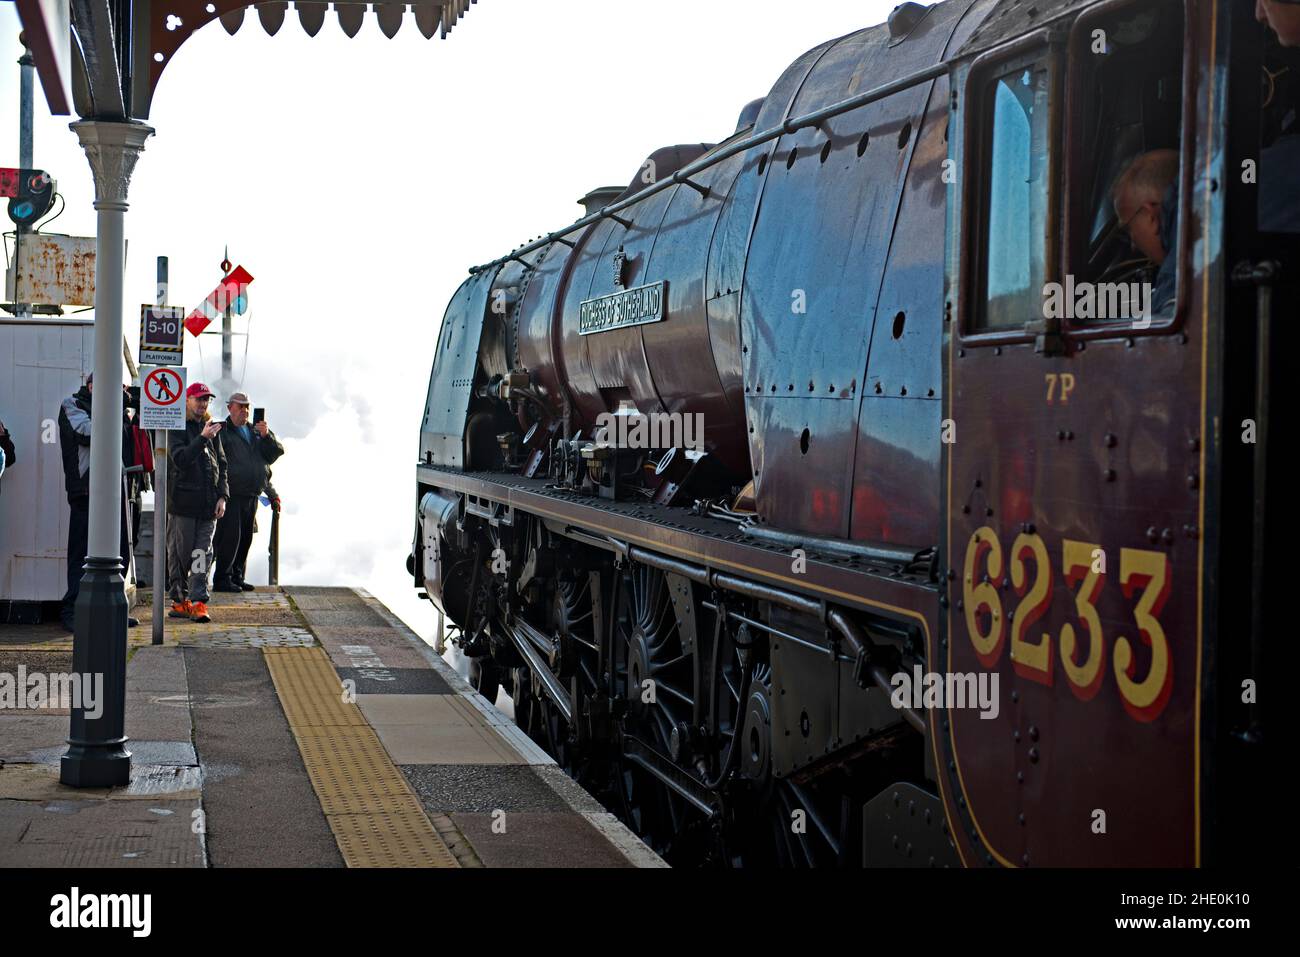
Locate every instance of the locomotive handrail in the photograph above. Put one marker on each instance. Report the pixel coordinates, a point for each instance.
(683, 175)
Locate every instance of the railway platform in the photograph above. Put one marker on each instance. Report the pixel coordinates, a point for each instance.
(302, 727)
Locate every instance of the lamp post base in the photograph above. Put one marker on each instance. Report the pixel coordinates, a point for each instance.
(97, 755)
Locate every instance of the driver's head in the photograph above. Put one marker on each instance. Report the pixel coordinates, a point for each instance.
(1138, 193)
(1283, 18)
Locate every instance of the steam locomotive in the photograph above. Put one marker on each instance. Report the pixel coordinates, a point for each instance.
(802, 533)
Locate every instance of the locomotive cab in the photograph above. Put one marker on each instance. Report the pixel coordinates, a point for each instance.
(1104, 496)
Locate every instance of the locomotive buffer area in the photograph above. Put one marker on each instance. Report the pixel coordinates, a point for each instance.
(304, 727)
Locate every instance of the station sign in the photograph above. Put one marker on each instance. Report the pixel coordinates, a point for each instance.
(162, 335)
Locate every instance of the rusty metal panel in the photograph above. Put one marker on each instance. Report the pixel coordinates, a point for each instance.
(53, 269)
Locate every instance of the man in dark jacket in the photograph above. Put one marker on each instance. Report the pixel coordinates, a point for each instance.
(250, 449)
(74, 444)
(197, 491)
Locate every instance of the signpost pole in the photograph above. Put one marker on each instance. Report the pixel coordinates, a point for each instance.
(26, 64)
(160, 497)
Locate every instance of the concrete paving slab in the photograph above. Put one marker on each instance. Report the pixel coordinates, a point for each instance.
(155, 668)
(537, 840)
(15, 819)
(445, 743)
(419, 710)
(347, 650)
(92, 833)
(158, 716)
(370, 681)
(355, 616)
(482, 789)
(24, 732)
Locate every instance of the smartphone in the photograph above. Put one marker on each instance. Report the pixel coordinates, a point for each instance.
(259, 414)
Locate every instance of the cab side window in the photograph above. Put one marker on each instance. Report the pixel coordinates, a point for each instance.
(1124, 178)
(1015, 197)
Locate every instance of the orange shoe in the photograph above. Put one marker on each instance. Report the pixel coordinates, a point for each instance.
(181, 609)
(199, 612)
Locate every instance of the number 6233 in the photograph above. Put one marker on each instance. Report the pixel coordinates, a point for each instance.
(1085, 650)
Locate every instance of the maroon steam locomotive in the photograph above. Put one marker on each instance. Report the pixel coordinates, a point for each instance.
(801, 532)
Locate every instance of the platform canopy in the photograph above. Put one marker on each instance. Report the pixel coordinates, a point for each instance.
(120, 48)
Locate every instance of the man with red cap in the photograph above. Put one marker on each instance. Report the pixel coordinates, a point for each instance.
(197, 491)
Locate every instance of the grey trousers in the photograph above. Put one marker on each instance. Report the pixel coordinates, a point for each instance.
(189, 556)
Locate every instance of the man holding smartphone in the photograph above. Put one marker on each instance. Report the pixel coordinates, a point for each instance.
(197, 492)
(250, 450)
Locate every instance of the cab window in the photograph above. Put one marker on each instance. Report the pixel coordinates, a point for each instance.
(1124, 184)
(1015, 196)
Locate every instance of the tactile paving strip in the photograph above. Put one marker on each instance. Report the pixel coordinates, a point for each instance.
(310, 691)
(347, 767)
(398, 839)
(376, 818)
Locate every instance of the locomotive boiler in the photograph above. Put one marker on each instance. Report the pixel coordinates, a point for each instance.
(800, 532)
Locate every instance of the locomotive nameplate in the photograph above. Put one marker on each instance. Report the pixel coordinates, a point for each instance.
(630, 307)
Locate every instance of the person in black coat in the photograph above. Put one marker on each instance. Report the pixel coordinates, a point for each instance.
(7, 454)
(250, 450)
(74, 444)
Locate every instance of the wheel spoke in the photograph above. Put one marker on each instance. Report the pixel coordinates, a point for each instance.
(657, 667)
(661, 686)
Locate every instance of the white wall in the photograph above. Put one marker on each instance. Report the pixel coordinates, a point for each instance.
(41, 363)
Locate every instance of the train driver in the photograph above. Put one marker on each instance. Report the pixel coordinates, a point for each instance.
(1283, 16)
(1146, 201)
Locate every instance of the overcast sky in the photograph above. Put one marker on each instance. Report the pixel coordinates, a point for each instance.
(358, 179)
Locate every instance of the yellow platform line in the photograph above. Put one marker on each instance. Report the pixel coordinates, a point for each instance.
(376, 818)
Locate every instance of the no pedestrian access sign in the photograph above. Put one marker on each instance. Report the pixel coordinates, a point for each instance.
(162, 335)
(162, 399)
